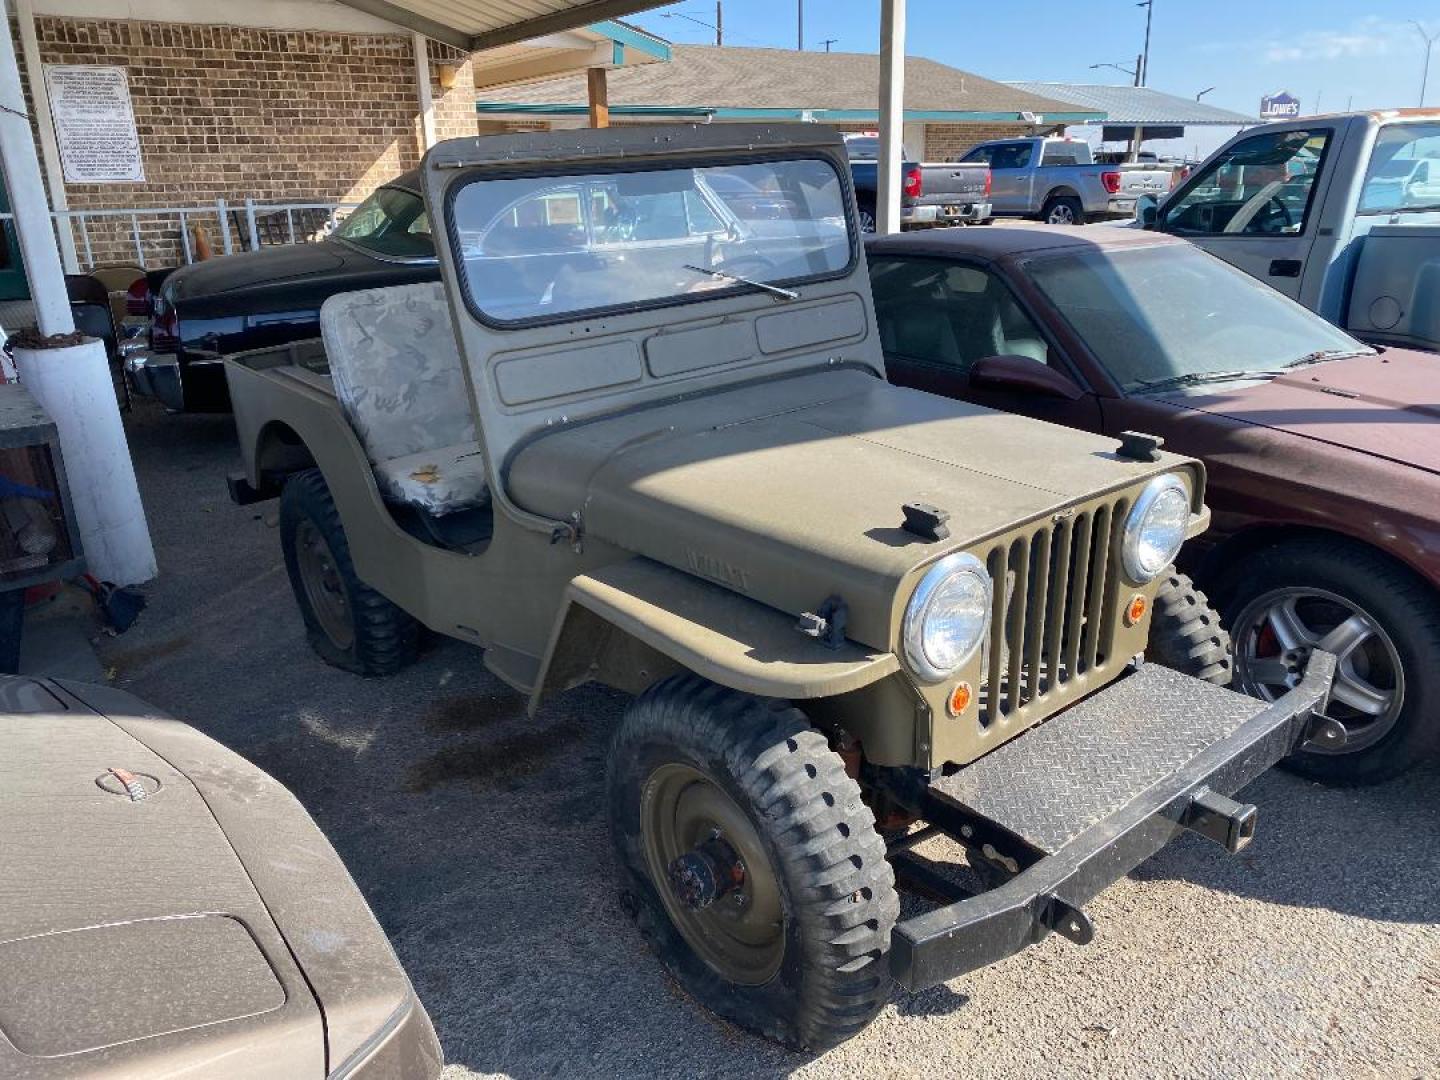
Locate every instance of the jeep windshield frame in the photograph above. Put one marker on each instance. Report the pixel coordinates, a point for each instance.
(734, 216)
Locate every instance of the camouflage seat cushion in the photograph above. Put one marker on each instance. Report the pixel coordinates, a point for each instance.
(441, 481)
(398, 376)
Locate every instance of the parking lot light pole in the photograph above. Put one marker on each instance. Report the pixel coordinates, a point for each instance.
(71, 382)
(1429, 40)
(892, 115)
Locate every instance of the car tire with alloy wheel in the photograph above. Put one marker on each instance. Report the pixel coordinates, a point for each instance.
(866, 210)
(349, 624)
(1063, 210)
(750, 862)
(1382, 623)
(1185, 631)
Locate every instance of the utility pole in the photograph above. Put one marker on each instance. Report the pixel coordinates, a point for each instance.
(1429, 40)
(800, 25)
(828, 42)
(1143, 77)
(719, 24)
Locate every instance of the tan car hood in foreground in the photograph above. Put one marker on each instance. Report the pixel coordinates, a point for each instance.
(189, 933)
(790, 490)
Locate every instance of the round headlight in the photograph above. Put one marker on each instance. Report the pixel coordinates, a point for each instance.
(1156, 527)
(946, 618)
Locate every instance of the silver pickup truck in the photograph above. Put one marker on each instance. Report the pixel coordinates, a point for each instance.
(1058, 181)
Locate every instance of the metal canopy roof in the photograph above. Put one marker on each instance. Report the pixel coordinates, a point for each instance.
(1137, 104)
(483, 24)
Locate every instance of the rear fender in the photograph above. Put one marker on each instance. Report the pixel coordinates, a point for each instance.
(632, 623)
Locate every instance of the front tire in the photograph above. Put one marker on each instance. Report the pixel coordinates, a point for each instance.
(1185, 632)
(1383, 624)
(795, 946)
(349, 624)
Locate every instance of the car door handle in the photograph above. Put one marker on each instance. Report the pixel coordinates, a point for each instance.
(1284, 267)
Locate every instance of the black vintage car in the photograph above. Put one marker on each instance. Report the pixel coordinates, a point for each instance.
(210, 310)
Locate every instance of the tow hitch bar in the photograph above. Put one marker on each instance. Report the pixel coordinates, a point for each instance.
(1220, 818)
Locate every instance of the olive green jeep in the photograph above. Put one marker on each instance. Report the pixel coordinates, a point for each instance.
(640, 434)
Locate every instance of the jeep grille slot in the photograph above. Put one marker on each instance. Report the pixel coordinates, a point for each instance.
(1053, 610)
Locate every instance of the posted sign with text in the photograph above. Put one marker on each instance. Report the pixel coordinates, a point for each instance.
(94, 124)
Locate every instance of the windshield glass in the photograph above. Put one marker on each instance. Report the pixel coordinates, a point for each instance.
(1165, 313)
(391, 222)
(540, 248)
(1404, 170)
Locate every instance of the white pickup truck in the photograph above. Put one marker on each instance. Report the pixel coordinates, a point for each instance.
(1058, 181)
(1341, 213)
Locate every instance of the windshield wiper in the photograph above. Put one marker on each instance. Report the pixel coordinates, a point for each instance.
(1319, 356)
(725, 275)
(1193, 378)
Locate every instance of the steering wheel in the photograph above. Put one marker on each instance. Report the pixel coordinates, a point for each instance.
(1273, 209)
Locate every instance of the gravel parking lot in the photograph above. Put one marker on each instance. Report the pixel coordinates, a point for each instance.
(478, 836)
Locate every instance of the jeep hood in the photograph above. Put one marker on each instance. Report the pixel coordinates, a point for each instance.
(1385, 405)
(790, 490)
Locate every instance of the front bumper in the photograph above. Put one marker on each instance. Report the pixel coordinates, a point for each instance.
(1075, 824)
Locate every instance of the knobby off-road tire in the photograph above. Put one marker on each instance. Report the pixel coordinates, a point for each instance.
(1185, 632)
(826, 861)
(349, 624)
(1404, 616)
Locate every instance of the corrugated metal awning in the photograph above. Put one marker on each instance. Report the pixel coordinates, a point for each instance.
(484, 24)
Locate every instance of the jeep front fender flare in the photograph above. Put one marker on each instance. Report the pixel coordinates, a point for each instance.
(630, 623)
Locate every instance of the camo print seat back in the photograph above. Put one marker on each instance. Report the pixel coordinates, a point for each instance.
(397, 374)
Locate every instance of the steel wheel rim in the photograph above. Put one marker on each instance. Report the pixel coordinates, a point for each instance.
(741, 936)
(867, 221)
(324, 588)
(1061, 215)
(1275, 634)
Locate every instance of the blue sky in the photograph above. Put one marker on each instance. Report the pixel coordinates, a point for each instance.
(1365, 55)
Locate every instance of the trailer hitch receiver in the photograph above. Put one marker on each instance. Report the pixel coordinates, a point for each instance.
(1220, 818)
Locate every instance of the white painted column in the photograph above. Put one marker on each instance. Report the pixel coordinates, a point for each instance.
(422, 89)
(892, 114)
(49, 150)
(71, 383)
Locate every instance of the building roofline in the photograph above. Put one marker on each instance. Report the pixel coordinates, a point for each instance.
(954, 116)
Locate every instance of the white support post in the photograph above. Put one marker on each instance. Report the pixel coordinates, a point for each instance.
(422, 88)
(49, 149)
(892, 115)
(72, 383)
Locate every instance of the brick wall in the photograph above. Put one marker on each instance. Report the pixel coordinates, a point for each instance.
(276, 115)
(949, 142)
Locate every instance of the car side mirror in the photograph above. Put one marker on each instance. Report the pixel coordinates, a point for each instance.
(1023, 375)
(1147, 211)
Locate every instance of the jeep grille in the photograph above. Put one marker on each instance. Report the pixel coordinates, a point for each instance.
(1053, 613)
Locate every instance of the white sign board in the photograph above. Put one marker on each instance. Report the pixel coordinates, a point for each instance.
(94, 124)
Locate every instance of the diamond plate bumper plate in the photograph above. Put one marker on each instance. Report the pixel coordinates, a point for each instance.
(1095, 792)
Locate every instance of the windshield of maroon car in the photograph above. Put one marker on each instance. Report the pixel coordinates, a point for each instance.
(1161, 313)
(392, 223)
(537, 249)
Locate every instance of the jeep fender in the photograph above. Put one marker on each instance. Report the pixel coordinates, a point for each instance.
(634, 622)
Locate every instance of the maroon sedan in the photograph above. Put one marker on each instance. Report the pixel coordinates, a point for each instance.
(1323, 453)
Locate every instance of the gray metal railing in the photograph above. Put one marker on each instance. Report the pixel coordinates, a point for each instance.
(249, 224)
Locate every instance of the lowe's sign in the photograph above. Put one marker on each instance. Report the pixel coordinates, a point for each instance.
(1279, 106)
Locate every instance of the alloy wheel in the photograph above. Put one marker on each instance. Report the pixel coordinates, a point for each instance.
(1275, 634)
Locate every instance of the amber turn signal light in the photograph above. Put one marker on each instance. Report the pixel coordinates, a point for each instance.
(959, 699)
(1135, 610)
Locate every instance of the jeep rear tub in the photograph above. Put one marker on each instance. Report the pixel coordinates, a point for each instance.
(1145, 775)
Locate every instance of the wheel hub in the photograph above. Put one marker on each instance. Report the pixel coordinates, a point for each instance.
(706, 873)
